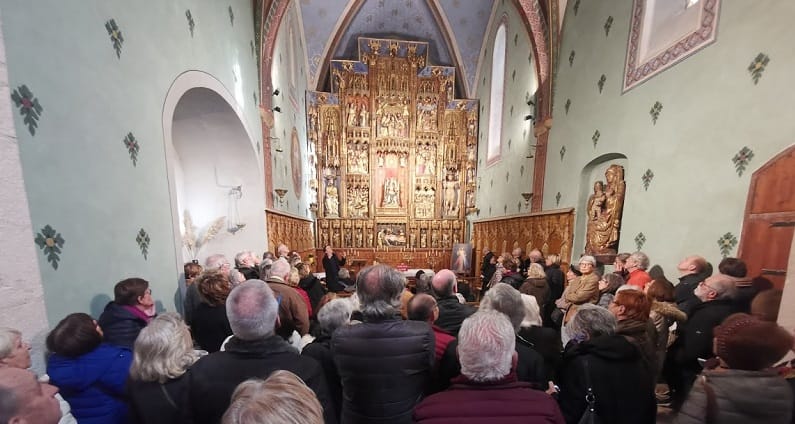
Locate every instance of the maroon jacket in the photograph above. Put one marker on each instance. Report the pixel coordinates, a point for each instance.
(505, 402)
(443, 338)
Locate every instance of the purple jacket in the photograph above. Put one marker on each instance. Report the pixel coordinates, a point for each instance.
(506, 401)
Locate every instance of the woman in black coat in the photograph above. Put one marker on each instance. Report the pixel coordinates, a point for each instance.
(132, 308)
(622, 384)
(157, 388)
(311, 285)
(210, 325)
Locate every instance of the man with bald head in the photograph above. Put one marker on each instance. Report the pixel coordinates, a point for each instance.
(423, 307)
(691, 272)
(451, 312)
(695, 335)
(24, 400)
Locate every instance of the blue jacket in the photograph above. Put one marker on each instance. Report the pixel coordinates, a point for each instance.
(120, 326)
(94, 383)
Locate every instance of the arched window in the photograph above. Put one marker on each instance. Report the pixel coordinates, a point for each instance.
(497, 95)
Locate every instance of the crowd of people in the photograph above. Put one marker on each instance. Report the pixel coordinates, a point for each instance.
(264, 340)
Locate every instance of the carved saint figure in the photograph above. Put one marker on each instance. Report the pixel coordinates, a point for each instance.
(450, 187)
(604, 213)
(332, 201)
(391, 193)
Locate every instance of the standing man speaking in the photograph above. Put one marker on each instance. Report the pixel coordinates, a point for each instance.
(332, 265)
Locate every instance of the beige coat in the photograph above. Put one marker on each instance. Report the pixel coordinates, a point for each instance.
(583, 289)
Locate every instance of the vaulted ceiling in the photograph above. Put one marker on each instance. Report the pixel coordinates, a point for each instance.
(455, 30)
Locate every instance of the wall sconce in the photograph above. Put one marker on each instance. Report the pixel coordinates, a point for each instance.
(527, 196)
(233, 224)
(313, 207)
(277, 145)
(277, 109)
(280, 192)
(276, 92)
(528, 117)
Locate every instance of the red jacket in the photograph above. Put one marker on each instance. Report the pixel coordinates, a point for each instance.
(506, 401)
(638, 278)
(443, 338)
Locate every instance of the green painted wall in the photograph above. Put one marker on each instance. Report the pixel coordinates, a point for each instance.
(79, 176)
(711, 109)
(501, 183)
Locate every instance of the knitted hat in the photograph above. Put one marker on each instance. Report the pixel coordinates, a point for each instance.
(745, 342)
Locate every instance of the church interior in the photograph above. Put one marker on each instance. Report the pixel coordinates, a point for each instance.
(136, 138)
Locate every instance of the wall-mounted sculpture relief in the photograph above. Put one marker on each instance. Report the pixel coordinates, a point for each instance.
(395, 151)
(604, 209)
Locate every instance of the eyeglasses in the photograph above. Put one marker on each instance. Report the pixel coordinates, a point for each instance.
(704, 283)
(582, 264)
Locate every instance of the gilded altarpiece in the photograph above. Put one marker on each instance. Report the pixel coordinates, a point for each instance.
(551, 232)
(396, 152)
(293, 231)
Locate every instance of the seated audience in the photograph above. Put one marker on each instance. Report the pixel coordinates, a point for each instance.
(507, 300)
(664, 314)
(544, 340)
(253, 351)
(210, 326)
(282, 398)
(191, 297)
(608, 285)
(23, 399)
(422, 307)
(487, 389)
(599, 359)
(636, 266)
(158, 387)
(293, 315)
(89, 374)
(311, 285)
(15, 353)
(695, 336)
(692, 271)
(451, 312)
(536, 285)
(332, 315)
(129, 312)
(247, 263)
(740, 387)
(631, 309)
(373, 357)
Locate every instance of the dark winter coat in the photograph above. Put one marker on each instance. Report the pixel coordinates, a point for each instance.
(538, 288)
(213, 378)
(620, 381)
(684, 295)
(506, 401)
(94, 383)
(320, 350)
(556, 281)
(644, 336)
(119, 326)
(515, 279)
(385, 366)
(314, 289)
(452, 314)
(149, 405)
(210, 327)
(695, 335)
(546, 342)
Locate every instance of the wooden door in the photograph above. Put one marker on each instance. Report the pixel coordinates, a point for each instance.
(770, 218)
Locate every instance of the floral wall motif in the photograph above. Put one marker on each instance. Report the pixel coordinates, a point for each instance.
(95, 171)
(689, 135)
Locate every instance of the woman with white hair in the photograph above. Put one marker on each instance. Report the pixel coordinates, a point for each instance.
(604, 366)
(283, 398)
(158, 386)
(544, 340)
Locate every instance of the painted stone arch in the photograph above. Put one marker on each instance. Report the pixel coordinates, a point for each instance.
(213, 168)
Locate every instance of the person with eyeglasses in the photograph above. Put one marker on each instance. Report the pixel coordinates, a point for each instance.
(695, 336)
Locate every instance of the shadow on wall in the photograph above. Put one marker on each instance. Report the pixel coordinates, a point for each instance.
(98, 304)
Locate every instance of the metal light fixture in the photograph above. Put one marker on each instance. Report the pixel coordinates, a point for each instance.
(276, 92)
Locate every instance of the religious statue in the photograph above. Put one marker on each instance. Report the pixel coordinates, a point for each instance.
(605, 207)
(332, 201)
(450, 198)
(391, 193)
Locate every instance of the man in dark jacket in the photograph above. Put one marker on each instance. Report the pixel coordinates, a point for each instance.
(255, 351)
(451, 312)
(487, 388)
(331, 266)
(385, 364)
(695, 336)
(691, 272)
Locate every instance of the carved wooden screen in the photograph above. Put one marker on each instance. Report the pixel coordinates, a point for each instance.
(550, 232)
(396, 152)
(294, 232)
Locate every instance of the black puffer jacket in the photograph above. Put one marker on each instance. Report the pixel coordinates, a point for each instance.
(621, 382)
(385, 368)
(120, 326)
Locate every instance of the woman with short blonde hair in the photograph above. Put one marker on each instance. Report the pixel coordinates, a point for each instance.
(162, 355)
(281, 399)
